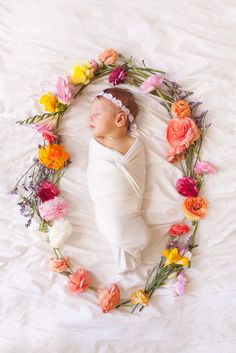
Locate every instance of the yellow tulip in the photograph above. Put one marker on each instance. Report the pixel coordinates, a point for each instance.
(82, 74)
(172, 257)
(139, 297)
(49, 101)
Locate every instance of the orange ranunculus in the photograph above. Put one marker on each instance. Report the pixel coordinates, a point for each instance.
(180, 109)
(53, 156)
(194, 208)
(108, 56)
(182, 132)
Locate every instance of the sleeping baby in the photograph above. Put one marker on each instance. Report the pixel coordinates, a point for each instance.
(116, 173)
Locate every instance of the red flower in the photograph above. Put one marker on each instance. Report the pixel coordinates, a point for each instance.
(118, 75)
(47, 191)
(187, 187)
(178, 229)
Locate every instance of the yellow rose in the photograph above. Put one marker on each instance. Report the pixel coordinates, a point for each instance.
(82, 74)
(139, 297)
(50, 102)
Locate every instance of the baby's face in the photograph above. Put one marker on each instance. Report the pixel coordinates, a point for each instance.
(102, 118)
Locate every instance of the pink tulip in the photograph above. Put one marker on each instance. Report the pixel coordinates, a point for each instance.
(152, 82)
(187, 187)
(65, 91)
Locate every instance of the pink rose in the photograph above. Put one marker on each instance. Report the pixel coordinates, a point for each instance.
(65, 91)
(53, 209)
(108, 298)
(79, 281)
(152, 82)
(204, 167)
(187, 187)
(118, 75)
(182, 132)
(59, 265)
(47, 191)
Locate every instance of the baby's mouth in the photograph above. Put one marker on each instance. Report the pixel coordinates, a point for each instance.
(91, 126)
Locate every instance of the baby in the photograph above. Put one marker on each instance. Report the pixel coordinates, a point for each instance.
(116, 176)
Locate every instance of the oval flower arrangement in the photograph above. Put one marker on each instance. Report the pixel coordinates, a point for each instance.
(38, 187)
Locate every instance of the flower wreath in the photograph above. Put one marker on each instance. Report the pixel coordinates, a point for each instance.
(38, 187)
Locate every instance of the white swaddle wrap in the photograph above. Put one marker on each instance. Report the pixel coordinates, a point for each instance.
(116, 185)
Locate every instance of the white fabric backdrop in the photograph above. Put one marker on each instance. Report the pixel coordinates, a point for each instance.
(194, 42)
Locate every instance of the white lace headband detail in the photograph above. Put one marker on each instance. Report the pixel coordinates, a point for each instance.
(118, 103)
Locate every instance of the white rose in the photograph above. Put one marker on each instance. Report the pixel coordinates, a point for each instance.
(59, 232)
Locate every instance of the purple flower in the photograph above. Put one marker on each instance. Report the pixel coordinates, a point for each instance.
(179, 286)
(204, 167)
(186, 186)
(118, 75)
(152, 82)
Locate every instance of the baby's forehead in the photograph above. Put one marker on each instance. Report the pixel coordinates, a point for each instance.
(102, 103)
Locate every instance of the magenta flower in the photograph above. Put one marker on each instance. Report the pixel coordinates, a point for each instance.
(53, 209)
(48, 124)
(65, 91)
(118, 75)
(152, 82)
(47, 191)
(204, 167)
(186, 186)
(179, 286)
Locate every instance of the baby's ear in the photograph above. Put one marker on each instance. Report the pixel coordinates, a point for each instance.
(121, 119)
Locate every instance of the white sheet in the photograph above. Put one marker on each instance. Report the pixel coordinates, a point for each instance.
(194, 42)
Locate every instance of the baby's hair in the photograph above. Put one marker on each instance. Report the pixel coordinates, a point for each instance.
(126, 97)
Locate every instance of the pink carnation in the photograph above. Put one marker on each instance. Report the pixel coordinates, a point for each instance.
(204, 167)
(47, 191)
(79, 281)
(118, 75)
(187, 187)
(53, 209)
(108, 298)
(65, 91)
(152, 82)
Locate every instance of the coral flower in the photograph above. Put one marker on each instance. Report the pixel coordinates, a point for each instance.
(82, 74)
(79, 281)
(59, 265)
(173, 257)
(180, 109)
(194, 208)
(139, 297)
(50, 102)
(118, 75)
(53, 156)
(182, 132)
(187, 186)
(108, 298)
(178, 229)
(176, 154)
(108, 56)
(47, 191)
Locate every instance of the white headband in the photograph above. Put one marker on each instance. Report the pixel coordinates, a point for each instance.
(118, 102)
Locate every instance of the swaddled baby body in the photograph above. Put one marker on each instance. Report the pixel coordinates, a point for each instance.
(116, 176)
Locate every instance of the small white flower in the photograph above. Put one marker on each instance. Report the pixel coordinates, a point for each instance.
(59, 232)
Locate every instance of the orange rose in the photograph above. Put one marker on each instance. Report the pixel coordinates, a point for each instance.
(108, 56)
(182, 132)
(194, 208)
(53, 156)
(59, 265)
(180, 109)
